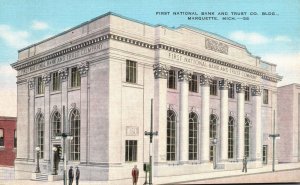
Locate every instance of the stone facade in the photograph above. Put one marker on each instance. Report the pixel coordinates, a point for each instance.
(288, 145)
(113, 110)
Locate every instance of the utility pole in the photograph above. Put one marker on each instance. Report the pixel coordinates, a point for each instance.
(64, 135)
(151, 134)
(274, 136)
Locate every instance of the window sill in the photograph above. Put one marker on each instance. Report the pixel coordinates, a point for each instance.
(2, 148)
(129, 84)
(39, 95)
(172, 90)
(73, 88)
(55, 92)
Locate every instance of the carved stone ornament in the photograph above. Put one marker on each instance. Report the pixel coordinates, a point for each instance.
(160, 71)
(73, 105)
(205, 80)
(83, 68)
(223, 84)
(184, 75)
(31, 83)
(256, 91)
(46, 78)
(63, 73)
(241, 87)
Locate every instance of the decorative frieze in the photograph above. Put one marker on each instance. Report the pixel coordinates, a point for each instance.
(241, 87)
(216, 46)
(85, 47)
(205, 80)
(63, 74)
(83, 68)
(223, 84)
(256, 91)
(184, 75)
(46, 78)
(160, 70)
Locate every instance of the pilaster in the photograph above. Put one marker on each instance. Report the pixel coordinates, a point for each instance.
(184, 77)
(83, 70)
(160, 110)
(205, 81)
(48, 152)
(32, 133)
(256, 93)
(240, 89)
(224, 119)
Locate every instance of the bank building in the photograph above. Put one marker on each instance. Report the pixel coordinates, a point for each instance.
(213, 101)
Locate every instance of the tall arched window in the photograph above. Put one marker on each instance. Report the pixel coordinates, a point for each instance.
(75, 131)
(230, 137)
(212, 134)
(56, 124)
(40, 133)
(171, 136)
(247, 136)
(193, 133)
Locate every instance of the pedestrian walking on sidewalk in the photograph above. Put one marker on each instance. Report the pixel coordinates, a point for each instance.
(135, 175)
(77, 175)
(245, 164)
(71, 175)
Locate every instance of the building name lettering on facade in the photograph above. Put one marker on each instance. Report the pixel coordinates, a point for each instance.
(210, 66)
(70, 56)
(216, 46)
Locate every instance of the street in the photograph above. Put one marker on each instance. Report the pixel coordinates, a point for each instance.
(269, 177)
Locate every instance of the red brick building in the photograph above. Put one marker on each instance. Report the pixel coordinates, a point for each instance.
(8, 140)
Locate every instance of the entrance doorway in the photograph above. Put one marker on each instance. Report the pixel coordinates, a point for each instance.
(57, 156)
(265, 154)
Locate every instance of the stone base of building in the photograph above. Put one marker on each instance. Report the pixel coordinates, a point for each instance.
(122, 172)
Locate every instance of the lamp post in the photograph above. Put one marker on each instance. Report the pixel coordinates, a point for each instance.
(54, 172)
(274, 136)
(214, 142)
(37, 169)
(151, 134)
(64, 136)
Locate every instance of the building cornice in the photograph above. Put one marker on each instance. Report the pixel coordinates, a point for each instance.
(31, 61)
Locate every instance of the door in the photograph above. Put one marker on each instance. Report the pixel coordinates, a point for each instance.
(265, 154)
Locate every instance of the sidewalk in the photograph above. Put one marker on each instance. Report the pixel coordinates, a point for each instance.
(220, 174)
(167, 180)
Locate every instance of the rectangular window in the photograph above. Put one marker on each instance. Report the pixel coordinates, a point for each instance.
(247, 93)
(15, 139)
(130, 71)
(131, 151)
(172, 79)
(266, 96)
(231, 90)
(75, 77)
(213, 87)
(1, 137)
(265, 154)
(55, 81)
(193, 85)
(40, 85)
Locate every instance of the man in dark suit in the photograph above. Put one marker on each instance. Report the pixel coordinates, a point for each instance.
(71, 175)
(77, 175)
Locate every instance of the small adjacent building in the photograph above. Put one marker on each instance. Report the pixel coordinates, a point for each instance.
(288, 145)
(8, 140)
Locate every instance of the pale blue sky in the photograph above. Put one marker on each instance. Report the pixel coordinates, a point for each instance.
(274, 38)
